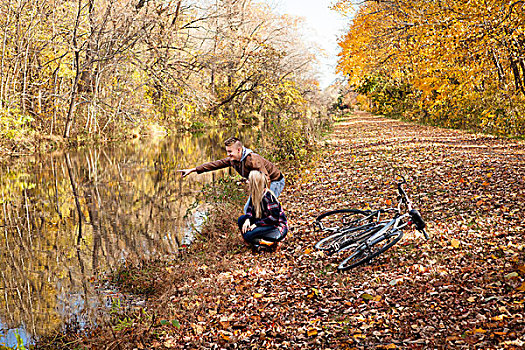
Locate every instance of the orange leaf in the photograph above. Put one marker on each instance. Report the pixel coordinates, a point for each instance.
(454, 243)
(257, 295)
(498, 318)
(311, 332)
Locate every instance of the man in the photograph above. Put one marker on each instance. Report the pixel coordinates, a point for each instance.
(243, 160)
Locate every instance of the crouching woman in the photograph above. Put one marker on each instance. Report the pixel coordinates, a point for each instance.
(264, 222)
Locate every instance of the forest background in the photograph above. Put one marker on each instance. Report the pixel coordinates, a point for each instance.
(458, 64)
(104, 69)
(93, 70)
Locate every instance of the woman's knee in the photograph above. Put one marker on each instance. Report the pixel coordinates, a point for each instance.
(241, 220)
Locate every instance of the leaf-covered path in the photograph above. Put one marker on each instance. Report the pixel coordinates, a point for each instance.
(464, 288)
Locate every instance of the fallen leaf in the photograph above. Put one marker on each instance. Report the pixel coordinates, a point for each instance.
(367, 296)
(197, 328)
(170, 343)
(522, 287)
(511, 275)
(454, 243)
(311, 332)
(395, 281)
(498, 318)
(257, 295)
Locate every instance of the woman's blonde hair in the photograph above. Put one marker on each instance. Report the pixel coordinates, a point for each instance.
(258, 183)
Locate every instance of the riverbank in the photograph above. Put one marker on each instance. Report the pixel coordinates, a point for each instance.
(468, 187)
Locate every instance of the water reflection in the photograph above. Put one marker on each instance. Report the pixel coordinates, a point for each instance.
(66, 217)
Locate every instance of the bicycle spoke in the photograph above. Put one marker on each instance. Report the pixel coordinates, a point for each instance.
(342, 224)
(365, 252)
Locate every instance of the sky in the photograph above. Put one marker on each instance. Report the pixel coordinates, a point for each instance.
(324, 25)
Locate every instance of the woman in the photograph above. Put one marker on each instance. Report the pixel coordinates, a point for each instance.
(264, 221)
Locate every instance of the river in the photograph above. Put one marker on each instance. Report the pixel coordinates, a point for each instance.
(67, 217)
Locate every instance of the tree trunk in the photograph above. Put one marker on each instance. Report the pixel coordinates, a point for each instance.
(74, 87)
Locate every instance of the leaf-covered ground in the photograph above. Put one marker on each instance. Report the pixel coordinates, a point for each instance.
(463, 288)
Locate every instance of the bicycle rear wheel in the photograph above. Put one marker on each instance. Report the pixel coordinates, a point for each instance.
(349, 238)
(342, 222)
(364, 253)
(340, 217)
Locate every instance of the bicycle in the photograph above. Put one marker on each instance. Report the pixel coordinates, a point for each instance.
(347, 227)
(366, 233)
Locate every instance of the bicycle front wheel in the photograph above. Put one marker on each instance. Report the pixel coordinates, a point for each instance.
(364, 253)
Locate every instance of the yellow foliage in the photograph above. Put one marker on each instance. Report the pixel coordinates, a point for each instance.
(455, 55)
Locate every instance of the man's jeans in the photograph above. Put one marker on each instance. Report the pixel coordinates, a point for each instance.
(276, 187)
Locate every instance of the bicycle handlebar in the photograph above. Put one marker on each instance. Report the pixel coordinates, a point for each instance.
(417, 220)
(403, 197)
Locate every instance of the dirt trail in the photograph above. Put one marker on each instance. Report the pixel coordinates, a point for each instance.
(464, 288)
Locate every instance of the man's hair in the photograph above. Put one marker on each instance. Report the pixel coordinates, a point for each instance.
(233, 140)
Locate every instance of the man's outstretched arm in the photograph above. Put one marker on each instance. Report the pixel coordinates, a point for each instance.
(210, 166)
(186, 172)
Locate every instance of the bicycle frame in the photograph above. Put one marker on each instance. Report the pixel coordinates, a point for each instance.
(396, 223)
(379, 234)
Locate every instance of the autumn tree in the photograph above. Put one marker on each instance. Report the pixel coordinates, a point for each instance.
(92, 67)
(456, 63)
